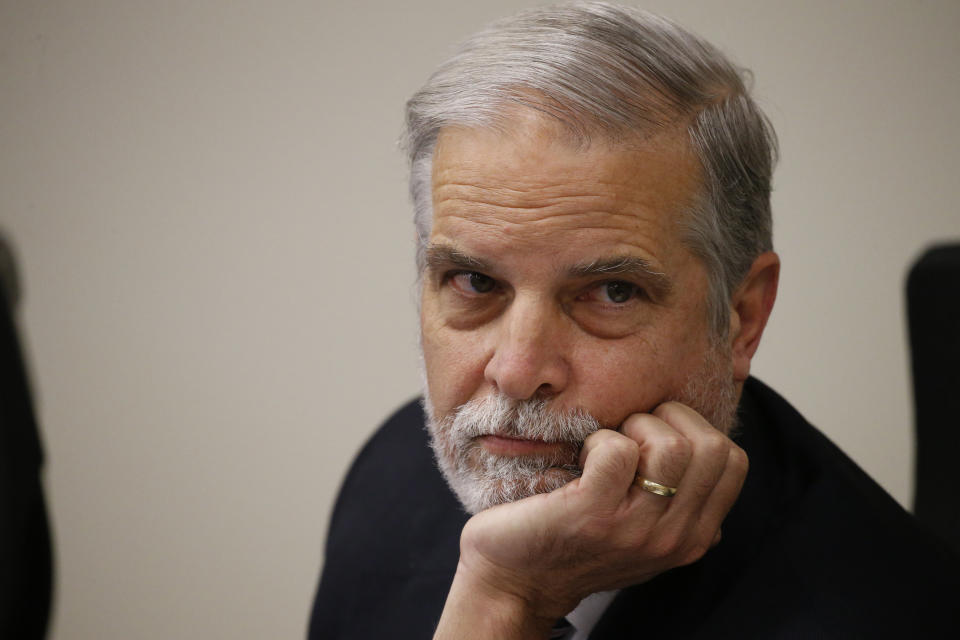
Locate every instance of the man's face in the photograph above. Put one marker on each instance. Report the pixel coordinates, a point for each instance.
(557, 275)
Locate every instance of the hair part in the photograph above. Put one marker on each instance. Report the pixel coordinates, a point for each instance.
(614, 74)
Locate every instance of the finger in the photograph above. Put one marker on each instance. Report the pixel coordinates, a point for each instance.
(710, 450)
(664, 452)
(704, 532)
(727, 490)
(609, 462)
(712, 484)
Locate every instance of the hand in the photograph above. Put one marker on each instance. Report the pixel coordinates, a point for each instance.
(536, 558)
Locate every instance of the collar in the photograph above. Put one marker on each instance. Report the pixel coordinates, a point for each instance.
(586, 614)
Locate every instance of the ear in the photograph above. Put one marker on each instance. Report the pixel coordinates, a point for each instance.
(750, 308)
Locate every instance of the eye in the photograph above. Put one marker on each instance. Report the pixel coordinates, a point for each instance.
(612, 308)
(613, 293)
(619, 291)
(472, 283)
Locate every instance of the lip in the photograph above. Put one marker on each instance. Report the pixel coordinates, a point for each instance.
(518, 447)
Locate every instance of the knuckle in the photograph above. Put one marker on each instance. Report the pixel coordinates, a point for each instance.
(737, 459)
(625, 446)
(614, 454)
(669, 411)
(717, 538)
(682, 545)
(625, 451)
(664, 548)
(596, 440)
(715, 442)
(639, 422)
(679, 445)
(694, 552)
(692, 547)
(598, 436)
(673, 444)
(673, 454)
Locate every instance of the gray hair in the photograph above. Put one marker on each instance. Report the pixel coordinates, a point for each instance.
(611, 72)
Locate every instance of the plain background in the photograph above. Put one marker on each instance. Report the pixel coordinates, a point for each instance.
(213, 232)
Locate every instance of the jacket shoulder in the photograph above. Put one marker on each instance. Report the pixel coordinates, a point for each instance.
(840, 538)
(393, 542)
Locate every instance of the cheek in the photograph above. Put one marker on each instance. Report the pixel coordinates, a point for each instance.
(620, 380)
(454, 363)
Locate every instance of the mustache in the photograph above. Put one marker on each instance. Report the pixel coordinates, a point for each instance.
(530, 419)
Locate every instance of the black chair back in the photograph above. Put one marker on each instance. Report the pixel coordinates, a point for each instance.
(933, 307)
(25, 552)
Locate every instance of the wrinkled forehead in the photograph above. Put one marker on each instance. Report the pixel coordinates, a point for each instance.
(509, 195)
(532, 159)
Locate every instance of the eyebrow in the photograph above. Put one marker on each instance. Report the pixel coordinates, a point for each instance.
(633, 266)
(442, 256)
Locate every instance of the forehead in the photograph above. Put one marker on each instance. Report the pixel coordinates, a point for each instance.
(527, 186)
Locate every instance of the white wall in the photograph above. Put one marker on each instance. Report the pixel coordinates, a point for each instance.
(212, 225)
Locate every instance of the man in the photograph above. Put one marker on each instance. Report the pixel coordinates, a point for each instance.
(591, 186)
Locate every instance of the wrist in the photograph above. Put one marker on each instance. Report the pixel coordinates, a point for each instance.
(479, 606)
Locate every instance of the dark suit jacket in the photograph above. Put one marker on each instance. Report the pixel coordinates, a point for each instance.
(813, 548)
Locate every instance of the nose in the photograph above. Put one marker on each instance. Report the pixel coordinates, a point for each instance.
(528, 357)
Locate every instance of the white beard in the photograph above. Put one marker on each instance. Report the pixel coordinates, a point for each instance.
(481, 479)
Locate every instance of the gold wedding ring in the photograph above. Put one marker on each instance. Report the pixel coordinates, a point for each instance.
(656, 487)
